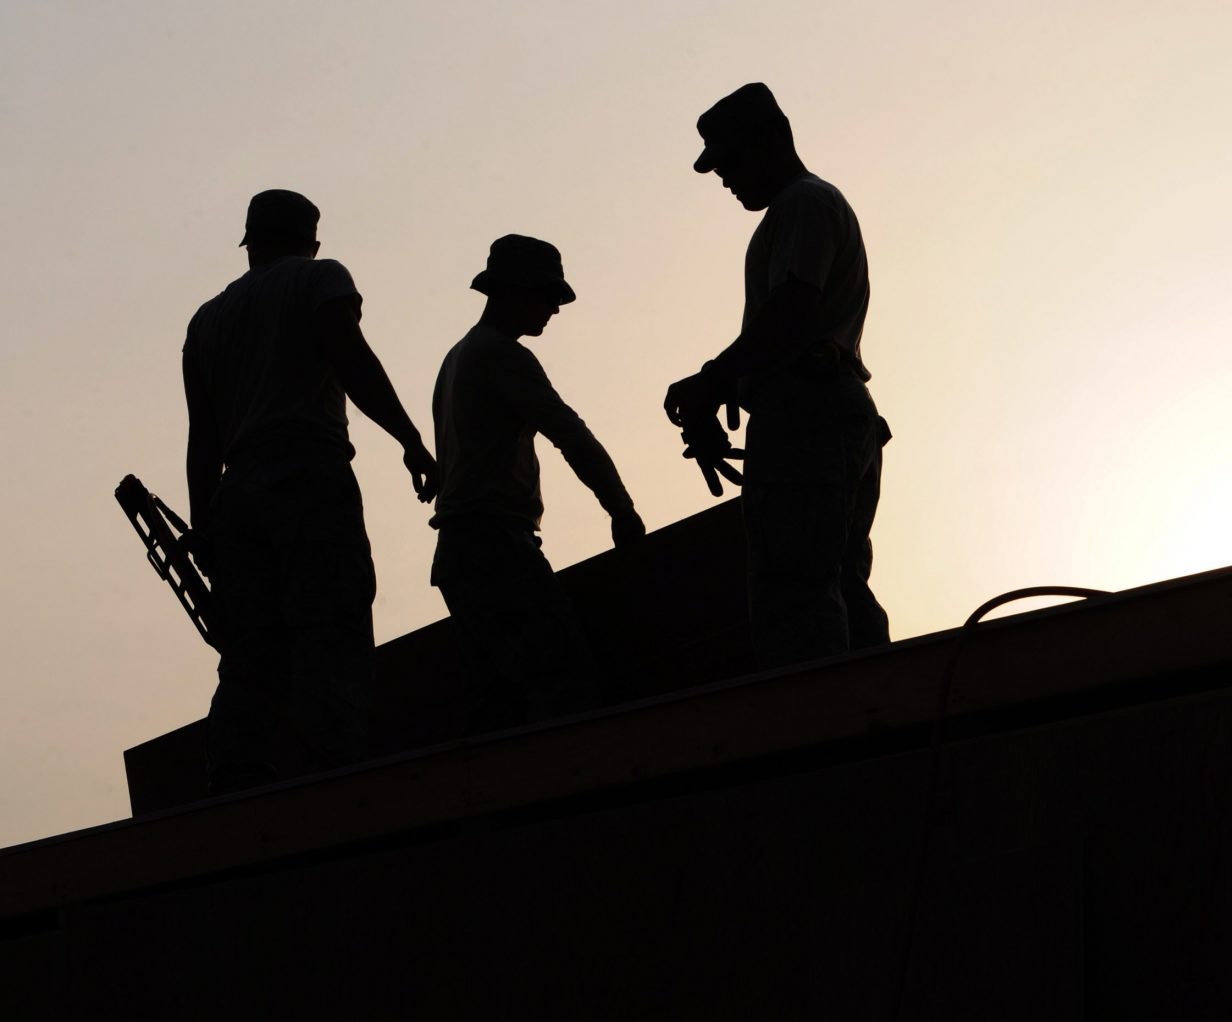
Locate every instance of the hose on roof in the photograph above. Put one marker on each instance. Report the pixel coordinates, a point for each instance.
(936, 746)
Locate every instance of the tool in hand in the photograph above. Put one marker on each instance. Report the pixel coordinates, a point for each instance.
(710, 447)
(167, 553)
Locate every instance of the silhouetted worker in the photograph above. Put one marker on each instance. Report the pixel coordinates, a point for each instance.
(527, 656)
(268, 366)
(813, 444)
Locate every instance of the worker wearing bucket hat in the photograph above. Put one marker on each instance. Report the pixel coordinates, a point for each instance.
(527, 655)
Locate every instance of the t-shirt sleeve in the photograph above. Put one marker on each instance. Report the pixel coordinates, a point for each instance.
(526, 387)
(329, 279)
(803, 241)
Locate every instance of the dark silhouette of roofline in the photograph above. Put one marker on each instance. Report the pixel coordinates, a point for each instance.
(1152, 642)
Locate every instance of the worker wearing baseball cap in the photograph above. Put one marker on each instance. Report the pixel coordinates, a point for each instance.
(812, 458)
(277, 519)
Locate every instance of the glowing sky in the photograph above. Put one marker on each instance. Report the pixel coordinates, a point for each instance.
(1043, 189)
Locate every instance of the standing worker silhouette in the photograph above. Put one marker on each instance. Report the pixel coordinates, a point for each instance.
(268, 366)
(528, 658)
(813, 444)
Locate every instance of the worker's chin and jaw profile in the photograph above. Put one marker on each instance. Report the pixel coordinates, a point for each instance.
(740, 175)
(538, 312)
(526, 311)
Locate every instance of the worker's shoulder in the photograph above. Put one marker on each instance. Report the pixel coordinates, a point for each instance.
(274, 278)
(488, 362)
(240, 284)
(291, 275)
(484, 345)
(209, 310)
(204, 311)
(327, 268)
(809, 192)
(313, 280)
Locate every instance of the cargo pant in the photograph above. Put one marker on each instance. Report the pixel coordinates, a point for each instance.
(293, 586)
(812, 483)
(527, 657)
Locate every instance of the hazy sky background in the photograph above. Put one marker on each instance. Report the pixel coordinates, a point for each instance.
(1044, 194)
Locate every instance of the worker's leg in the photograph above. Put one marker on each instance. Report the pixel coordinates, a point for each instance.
(796, 535)
(867, 623)
(251, 640)
(326, 588)
(526, 655)
(807, 451)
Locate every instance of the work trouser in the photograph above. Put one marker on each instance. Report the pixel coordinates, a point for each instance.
(527, 658)
(293, 586)
(812, 482)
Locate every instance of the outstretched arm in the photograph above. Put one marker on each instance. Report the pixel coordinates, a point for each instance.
(528, 389)
(342, 344)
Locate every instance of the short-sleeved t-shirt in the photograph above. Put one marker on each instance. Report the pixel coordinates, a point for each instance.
(491, 398)
(809, 232)
(250, 350)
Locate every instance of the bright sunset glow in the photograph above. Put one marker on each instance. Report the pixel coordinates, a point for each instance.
(1043, 190)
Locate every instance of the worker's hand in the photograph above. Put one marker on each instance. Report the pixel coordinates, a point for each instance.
(694, 397)
(197, 545)
(627, 528)
(709, 446)
(425, 476)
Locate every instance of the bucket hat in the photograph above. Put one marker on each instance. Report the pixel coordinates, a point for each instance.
(525, 262)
